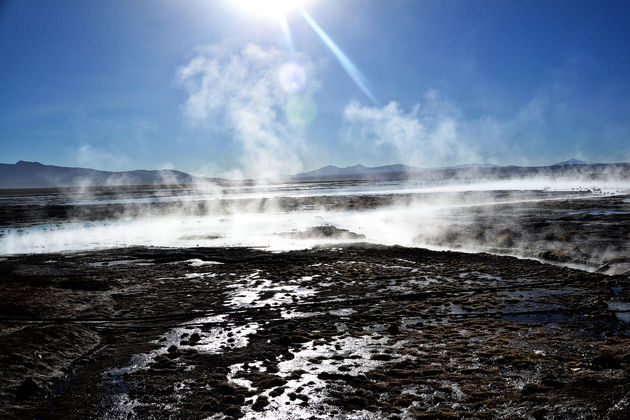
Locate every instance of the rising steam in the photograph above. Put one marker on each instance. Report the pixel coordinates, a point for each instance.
(261, 97)
(425, 135)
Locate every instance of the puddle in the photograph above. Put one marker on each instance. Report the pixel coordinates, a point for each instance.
(305, 396)
(187, 336)
(535, 300)
(457, 310)
(393, 288)
(621, 309)
(375, 328)
(258, 292)
(116, 399)
(423, 283)
(393, 267)
(196, 262)
(471, 276)
(210, 341)
(245, 383)
(412, 323)
(489, 277)
(341, 327)
(292, 314)
(342, 312)
(199, 275)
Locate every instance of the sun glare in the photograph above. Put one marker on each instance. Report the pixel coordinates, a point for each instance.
(272, 8)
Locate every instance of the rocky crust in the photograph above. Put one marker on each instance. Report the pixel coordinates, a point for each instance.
(362, 331)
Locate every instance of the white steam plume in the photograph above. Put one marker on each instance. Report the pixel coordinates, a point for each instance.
(423, 136)
(243, 92)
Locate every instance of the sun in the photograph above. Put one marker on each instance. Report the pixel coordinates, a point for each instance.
(272, 8)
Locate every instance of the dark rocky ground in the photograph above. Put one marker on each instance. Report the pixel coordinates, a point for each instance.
(352, 332)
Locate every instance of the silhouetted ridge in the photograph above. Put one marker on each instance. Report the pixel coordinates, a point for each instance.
(24, 174)
(474, 171)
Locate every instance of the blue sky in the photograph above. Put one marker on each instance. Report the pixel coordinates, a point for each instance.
(195, 85)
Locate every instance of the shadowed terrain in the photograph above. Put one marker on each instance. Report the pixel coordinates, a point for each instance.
(366, 331)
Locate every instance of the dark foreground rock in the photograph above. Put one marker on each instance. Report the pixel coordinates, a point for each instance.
(323, 232)
(362, 331)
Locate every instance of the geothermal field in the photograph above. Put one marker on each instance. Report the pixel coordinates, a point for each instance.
(314, 209)
(354, 299)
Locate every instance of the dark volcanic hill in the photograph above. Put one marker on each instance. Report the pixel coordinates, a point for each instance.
(573, 162)
(36, 175)
(401, 172)
(358, 171)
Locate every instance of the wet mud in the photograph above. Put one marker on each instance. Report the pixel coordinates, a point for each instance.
(359, 331)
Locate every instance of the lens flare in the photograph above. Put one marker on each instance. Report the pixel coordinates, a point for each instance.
(345, 62)
(278, 9)
(292, 77)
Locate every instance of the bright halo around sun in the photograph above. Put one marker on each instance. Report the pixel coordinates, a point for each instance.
(273, 8)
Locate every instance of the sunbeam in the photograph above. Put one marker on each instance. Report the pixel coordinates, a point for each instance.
(343, 59)
(287, 33)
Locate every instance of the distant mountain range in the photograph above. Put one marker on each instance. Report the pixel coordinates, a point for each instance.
(37, 175)
(573, 162)
(331, 171)
(400, 172)
(361, 171)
